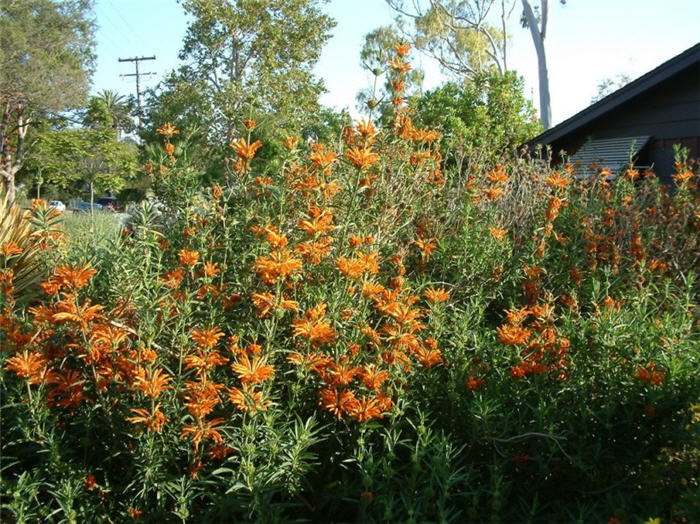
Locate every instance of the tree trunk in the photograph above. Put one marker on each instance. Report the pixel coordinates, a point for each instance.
(8, 174)
(538, 35)
(92, 206)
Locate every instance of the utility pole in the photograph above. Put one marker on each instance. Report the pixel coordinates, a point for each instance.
(138, 76)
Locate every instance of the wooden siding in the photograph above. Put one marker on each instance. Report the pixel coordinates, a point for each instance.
(669, 112)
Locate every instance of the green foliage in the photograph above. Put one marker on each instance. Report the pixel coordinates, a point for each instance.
(108, 109)
(68, 157)
(46, 52)
(244, 60)
(47, 59)
(460, 34)
(489, 115)
(376, 52)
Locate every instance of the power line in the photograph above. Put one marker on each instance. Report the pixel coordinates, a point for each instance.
(138, 75)
(133, 33)
(115, 27)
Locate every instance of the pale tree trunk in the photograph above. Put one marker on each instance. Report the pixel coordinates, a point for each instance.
(9, 163)
(538, 33)
(92, 206)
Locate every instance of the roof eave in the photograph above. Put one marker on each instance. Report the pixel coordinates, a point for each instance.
(647, 81)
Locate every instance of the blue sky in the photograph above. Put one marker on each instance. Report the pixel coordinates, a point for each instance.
(587, 41)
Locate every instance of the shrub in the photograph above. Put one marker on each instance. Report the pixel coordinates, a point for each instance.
(359, 334)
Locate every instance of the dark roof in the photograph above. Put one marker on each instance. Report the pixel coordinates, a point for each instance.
(651, 79)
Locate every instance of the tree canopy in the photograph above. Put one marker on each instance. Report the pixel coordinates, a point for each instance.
(244, 59)
(71, 157)
(46, 51)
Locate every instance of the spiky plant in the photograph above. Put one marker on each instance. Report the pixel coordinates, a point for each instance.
(31, 231)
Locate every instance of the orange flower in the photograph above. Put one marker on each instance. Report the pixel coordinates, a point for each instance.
(71, 312)
(493, 193)
(320, 221)
(290, 142)
(207, 338)
(247, 399)
(167, 130)
(426, 247)
(337, 403)
(68, 389)
(9, 249)
(188, 257)
(475, 383)
(317, 332)
(202, 362)
(356, 266)
(203, 430)
(37, 203)
(557, 181)
(497, 175)
(210, 270)
(90, 481)
(434, 295)
(274, 237)
(278, 266)
(201, 397)
(250, 124)
(217, 192)
(265, 302)
(66, 276)
(152, 383)
(316, 250)
(372, 377)
(320, 158)
(29, 366)
(367, 130)
(313, 327)
(429, 355)
(399, 66)
(516, 317)
(513, 335)
(402, 49)
(498, 233)
(365, 409)
(553, 209)
(362, 157)
(245, 150)
(153, 421)
(682, 177)
(253, 371)
(172, 279)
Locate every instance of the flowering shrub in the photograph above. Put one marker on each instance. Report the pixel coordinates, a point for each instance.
(357, 334)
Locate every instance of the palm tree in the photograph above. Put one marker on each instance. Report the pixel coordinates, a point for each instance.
(110, 108)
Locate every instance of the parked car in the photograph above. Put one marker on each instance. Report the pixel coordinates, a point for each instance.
(84, 207)
(57, 204)
(108, 203)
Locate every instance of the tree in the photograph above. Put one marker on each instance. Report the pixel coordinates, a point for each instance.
(538, 31)
(610, 85)
(109, 109)
(95, 157)
(376, 53)
(46, 55)
(460, 34)
(489, 116)
(248, 58)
